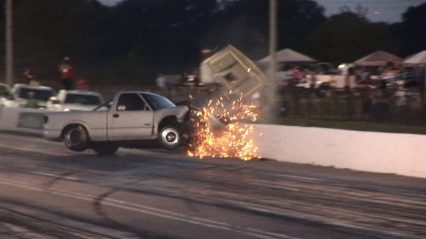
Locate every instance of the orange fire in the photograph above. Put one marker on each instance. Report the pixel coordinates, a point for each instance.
(219, 130)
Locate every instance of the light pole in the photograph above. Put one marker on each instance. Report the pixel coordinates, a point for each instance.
(9, 43)
(271, 84)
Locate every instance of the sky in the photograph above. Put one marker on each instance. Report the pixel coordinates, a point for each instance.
(378, 10)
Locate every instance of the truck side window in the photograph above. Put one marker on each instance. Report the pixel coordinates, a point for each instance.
(130, 102)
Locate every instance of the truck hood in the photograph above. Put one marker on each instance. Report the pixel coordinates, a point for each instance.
(178, 111)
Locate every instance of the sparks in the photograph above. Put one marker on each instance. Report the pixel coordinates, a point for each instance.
(219, 130)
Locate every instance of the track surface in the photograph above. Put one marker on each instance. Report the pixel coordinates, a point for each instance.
(50, 192)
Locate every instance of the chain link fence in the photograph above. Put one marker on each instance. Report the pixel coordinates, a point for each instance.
(380, 104)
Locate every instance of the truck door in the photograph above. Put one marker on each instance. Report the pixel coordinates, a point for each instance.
(130, 118)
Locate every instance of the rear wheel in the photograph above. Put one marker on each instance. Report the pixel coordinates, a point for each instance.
(105, 148)
(170, 136)
(76, 138)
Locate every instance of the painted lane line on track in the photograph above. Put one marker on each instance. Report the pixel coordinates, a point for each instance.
(52, 175)
(157, 212)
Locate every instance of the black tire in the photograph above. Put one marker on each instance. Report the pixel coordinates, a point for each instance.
(104, 149)
(170, 136)
(76, 138)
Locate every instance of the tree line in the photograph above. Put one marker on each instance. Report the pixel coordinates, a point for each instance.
(136, 40)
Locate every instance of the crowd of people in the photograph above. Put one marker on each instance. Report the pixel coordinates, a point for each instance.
(66, 75)
(352, 76)
(392, 75)
(380, 91)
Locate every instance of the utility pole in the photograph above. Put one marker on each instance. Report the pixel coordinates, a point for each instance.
(271, 84)
(9, 43)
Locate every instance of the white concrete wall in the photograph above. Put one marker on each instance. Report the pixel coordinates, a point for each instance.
(403, 154)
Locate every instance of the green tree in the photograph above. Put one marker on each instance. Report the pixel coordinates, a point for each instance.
(348, 36)
(152, 34)
(47, 30)
(245, 23)
(411, 32)
(161, 31)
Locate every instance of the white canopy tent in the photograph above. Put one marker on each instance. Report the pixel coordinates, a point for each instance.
(377, 59)
(288, 56)
(418, 59)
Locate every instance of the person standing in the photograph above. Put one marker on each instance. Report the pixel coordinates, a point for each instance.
(66, 70)
(82, 83)
(27, 76)
(297, 75)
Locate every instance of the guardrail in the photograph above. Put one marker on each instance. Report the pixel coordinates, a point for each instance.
(401, 154)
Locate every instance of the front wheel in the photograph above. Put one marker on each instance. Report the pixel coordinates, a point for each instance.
(76, 138)
(170, 136)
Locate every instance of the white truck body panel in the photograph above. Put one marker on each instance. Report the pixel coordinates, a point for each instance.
(114, 124)
(94, 121)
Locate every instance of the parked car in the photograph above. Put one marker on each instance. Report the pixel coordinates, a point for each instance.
(23, 95)
(4, 90)
(72, 100)
(407, 79)
(132, 116)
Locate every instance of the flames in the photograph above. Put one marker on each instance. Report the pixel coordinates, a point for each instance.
(219, 130)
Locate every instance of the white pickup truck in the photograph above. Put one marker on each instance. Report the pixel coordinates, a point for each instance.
(130, 117)
(74, 100)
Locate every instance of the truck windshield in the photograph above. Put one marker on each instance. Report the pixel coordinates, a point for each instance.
(158, 102)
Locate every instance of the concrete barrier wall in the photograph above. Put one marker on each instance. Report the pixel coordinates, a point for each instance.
(403, 154)
(23, 120)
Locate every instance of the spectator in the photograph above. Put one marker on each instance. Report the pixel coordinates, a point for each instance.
(297, 75)
(66, 71)
(349, 78)
(82, 83)
(31, 102)
(161, 81)
(362, 75)
(28, 76)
